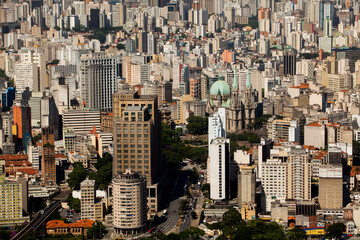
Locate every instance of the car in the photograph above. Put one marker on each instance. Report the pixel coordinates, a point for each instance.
(151, 230)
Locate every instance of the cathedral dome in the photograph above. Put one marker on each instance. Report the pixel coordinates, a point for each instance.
(220, 87)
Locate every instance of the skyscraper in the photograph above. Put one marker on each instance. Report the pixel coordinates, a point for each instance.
(22, 122)
(136, 147)
(137, 140)
(48, 166)
(98, 80)
(217, 125)
(129, 203)
(219, 174)
(289, 62)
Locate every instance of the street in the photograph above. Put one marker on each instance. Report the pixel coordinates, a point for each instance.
(175, 197)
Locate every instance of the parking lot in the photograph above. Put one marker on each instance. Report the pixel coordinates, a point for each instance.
(70, 215)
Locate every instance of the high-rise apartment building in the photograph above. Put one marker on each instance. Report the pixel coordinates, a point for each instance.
(87, 188)
(11, 203)
(81, 121)
(129, 203)
(299, 172)
(273, 179)
(330, 187)
(219, 169)
(98, 80)
(48, 165)
(217, 125)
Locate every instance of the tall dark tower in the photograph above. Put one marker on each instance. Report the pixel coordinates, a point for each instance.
(289, 62)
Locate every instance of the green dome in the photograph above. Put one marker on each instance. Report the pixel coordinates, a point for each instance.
(220, 87)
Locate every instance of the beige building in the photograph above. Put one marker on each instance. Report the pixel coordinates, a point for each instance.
(299, 172)
(330, 187)
(246, 185)
(129, 203)
(315, 135)
(284, 130)
(11, 204)
(87, 188)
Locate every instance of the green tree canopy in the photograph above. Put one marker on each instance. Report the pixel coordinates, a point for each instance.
(335, 230)
(296, 234)
(197, 125)
(96, 231)
(77, 176)
(74, 203)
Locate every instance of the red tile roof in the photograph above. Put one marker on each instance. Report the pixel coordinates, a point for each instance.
(14, 157)
(314, 124)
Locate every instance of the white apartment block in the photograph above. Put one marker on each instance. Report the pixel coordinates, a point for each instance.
(219, 174)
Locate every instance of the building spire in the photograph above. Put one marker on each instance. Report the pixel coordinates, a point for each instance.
(235, 81)
(248, 82)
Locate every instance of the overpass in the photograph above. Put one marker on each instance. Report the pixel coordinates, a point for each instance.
(38, 220)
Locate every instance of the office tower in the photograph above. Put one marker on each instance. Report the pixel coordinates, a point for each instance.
(8, 97)
(142, 41)
(217, 125)
(330, 187)
(246, 185)
(94, 22)
(129, 187)
(22, 123)
(98, 80)
(299, 172)
(327, 27)
(289, 62)
(50, 114)
(87, 188)
(48, 165)
(152, 46)
(35, 106)
(135, 145)
(81, 121)
(219, 174)
(137, 140)
(326, 11)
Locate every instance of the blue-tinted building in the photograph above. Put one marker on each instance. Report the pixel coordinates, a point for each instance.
(8, 97)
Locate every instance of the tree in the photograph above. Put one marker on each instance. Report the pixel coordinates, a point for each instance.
(192, 233)
(335, 230)
(296, 234)
(4, 234)
(96, 231)
(232, 217)
(57, 28)
(77, 176)
(197, 125)
(120, 46)
(74, 203)
(193, 215)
